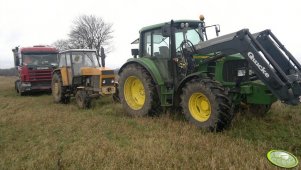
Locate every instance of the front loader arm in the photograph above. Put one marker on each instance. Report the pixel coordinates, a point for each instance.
(268, 58)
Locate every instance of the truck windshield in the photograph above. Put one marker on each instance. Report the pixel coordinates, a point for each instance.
(39, 59)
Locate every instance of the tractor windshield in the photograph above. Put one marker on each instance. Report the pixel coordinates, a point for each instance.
(85, 59)
(39, 59)
(190, 34)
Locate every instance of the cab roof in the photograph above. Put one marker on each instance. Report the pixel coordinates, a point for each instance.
(177, 22)
(78, 50)
(39, 49)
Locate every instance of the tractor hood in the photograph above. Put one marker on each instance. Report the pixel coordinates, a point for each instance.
(88, 71)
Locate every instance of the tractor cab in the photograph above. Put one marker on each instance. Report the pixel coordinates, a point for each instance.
(75, 60)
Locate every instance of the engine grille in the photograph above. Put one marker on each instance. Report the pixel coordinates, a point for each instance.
(95, 81)
(39, 75)
(231, 68)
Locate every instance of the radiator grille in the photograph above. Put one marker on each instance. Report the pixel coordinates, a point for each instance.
(231, 68)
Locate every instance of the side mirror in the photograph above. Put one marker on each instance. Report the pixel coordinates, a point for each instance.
(16, 57)
(217, 29)
(135, 52)
(166, 30)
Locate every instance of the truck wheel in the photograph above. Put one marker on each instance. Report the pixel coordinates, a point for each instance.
(205, 104)
(58, 90)
(18, 88)
(82, 99)
(137, 92)
(17, 85)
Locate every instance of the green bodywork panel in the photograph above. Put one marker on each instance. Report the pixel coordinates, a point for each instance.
(155, 69)
(257, 93)
(253, 92)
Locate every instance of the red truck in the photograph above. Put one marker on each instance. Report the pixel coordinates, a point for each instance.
(35, 65)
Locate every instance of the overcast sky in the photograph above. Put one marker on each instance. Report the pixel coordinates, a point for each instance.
(33, 22)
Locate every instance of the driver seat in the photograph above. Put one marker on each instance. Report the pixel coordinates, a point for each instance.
(164, 51)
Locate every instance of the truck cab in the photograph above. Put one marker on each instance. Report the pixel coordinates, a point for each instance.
(35, 65)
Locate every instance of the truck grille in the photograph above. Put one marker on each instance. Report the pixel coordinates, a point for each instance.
(231, 68)
(39, 75)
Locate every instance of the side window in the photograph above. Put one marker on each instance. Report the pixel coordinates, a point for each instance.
(147, 48)
(62, 60)
(160, 44)
(68, 62)
(154, 44)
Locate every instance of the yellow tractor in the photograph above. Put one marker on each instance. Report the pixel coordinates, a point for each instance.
(79, 74)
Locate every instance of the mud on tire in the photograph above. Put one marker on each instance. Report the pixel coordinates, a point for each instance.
(137, 92)
(206, 105)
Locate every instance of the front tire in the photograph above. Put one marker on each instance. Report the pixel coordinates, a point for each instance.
(205, 104)
(137, 92)
(82, 99)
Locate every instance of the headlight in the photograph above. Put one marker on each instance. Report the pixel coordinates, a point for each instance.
(112, 81)
(241, 73)
(103, 81)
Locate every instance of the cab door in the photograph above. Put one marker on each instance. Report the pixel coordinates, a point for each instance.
(65, 67)
(157, 48)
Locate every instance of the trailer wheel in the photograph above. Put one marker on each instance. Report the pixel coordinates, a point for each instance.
(58, 90)
(137, 92)
(82, 99)
(205, 104)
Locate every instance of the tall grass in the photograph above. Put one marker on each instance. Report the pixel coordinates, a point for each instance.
(35, 133)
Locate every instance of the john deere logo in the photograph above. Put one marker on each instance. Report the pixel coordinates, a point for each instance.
(282, 159)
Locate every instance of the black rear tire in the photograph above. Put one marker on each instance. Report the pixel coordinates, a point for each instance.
(58, 90)
(147, 101)
(18, 88)
(206, 105)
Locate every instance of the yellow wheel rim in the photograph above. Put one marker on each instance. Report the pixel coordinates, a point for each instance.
(199, 107)
(134, 93)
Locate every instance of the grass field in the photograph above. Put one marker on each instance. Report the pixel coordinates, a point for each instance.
(35, 133)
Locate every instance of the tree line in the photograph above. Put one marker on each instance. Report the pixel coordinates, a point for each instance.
(8, 72)
(88, 32)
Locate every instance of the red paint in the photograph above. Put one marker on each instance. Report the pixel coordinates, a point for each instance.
(38, 49)
(30, 74)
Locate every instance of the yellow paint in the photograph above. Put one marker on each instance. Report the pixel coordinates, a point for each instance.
(134, 93)
(199, 107)
(200, 57)
(88, 71)
(65, 76)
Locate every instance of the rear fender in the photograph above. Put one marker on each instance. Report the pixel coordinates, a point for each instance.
(63, 71)
(149, 65)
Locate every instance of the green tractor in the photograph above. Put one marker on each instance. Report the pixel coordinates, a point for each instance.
(176, 66)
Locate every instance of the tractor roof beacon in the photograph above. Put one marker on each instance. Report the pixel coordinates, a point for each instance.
(208, 79)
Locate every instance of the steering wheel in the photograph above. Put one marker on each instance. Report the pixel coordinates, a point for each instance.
(189, 44)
